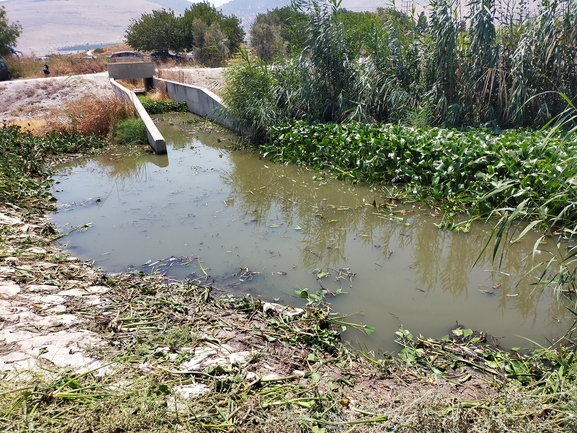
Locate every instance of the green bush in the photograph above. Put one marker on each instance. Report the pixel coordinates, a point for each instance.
(129, 131)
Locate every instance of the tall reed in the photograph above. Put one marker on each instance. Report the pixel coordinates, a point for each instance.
(479, 65)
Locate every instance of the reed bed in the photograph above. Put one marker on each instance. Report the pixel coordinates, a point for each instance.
(490, 63)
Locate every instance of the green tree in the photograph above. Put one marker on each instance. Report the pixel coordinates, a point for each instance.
(213, 36)
(265, 36)
(211, 48)
(293, 28)
(8, 32)
(282, 31)
(158, 31)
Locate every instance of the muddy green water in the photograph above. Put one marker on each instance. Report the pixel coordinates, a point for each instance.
(268, 230)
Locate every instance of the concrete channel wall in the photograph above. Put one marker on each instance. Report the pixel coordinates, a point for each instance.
(199, 101)
(155, 138)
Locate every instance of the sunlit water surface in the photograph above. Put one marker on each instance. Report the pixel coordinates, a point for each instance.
(266, 229)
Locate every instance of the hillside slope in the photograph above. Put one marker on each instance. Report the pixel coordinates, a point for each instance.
(52, 24)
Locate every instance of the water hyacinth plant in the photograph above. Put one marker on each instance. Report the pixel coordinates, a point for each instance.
(475, 170)
(370, 106)
(26, 175)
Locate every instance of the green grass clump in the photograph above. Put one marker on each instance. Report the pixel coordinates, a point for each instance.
(162, 106)
(129, 131)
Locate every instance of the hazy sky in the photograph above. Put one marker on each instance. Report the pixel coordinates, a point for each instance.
(216, 3)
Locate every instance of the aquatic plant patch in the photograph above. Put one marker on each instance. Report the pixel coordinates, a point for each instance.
(153, 106)
(130, 131)
(473, 170)
(25, 176)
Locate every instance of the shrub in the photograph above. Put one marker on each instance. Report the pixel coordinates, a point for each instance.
(90, 115)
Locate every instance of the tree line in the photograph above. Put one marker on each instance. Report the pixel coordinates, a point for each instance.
(212, 36)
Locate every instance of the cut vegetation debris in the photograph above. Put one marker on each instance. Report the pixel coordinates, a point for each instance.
(164, 355)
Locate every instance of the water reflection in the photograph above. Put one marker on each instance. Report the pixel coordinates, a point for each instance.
(263, 228)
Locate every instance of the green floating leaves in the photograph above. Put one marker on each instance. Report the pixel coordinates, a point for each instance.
(368, 329)
(302, 293)
(162, 106)
(473, 170)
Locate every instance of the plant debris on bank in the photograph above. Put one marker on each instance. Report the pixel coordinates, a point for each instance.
(176, 356)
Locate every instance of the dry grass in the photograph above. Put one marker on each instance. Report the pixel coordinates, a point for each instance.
(132, 84)
(159, 93)
(62, 65)
(31, 67)
(89, 115)
(35, 126)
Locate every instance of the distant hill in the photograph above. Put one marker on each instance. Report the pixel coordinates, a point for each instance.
(177, 6)
(48, 25)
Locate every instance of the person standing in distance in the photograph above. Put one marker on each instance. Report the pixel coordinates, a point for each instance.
(46, 70)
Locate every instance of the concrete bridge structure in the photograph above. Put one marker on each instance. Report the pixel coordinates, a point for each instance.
(199, 101)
